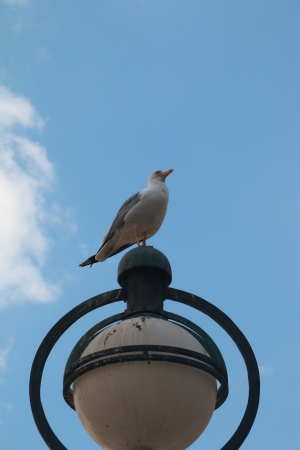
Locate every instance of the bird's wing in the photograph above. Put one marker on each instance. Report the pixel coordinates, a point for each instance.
(119, 219)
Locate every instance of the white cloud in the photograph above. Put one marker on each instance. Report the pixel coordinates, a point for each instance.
(265, 369)
(4, 354)
(16, 110)
(26, 174)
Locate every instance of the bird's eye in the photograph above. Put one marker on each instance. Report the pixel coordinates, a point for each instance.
(158, 172)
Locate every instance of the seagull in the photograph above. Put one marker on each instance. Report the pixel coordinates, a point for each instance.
(138, 219)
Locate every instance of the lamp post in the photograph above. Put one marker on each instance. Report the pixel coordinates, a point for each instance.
(145, 378)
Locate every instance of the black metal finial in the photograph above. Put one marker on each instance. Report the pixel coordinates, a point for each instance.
(144, 273)
(144, 258)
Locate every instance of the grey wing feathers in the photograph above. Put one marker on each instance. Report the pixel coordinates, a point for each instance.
(119, 219)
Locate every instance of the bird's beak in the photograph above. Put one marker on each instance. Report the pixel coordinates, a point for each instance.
(166, 173)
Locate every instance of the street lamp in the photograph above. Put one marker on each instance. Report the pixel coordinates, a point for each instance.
(145, 378)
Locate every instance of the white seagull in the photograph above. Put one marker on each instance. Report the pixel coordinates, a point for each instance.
(138, 219)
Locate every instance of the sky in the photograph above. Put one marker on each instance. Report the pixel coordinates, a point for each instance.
(94, 96)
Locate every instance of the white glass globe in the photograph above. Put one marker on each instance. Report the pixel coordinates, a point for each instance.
(148, 405)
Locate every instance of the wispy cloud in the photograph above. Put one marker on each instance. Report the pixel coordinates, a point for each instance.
(266, 369)
(21, 25)
(26, 175)
(4, 351)
(44, 56)
(13, 2)
(6, 406)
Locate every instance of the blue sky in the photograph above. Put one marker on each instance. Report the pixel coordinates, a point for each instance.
(96, 95)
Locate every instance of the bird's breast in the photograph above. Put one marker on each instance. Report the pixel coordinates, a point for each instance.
(148, 214)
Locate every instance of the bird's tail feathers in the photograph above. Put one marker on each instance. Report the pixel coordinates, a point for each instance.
(89, 262)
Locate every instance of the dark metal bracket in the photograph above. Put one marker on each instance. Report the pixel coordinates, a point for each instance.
(166, 354)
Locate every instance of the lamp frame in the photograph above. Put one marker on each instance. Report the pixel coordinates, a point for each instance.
(116, 295)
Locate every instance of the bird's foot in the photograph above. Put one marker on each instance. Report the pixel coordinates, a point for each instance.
(144, 241)
(136, 234)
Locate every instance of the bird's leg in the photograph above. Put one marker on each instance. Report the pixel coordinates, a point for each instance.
(144, 241)
(137, 236)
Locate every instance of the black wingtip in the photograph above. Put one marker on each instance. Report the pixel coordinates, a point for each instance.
(89, 262)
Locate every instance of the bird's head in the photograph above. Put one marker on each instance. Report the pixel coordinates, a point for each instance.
(159, 175)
